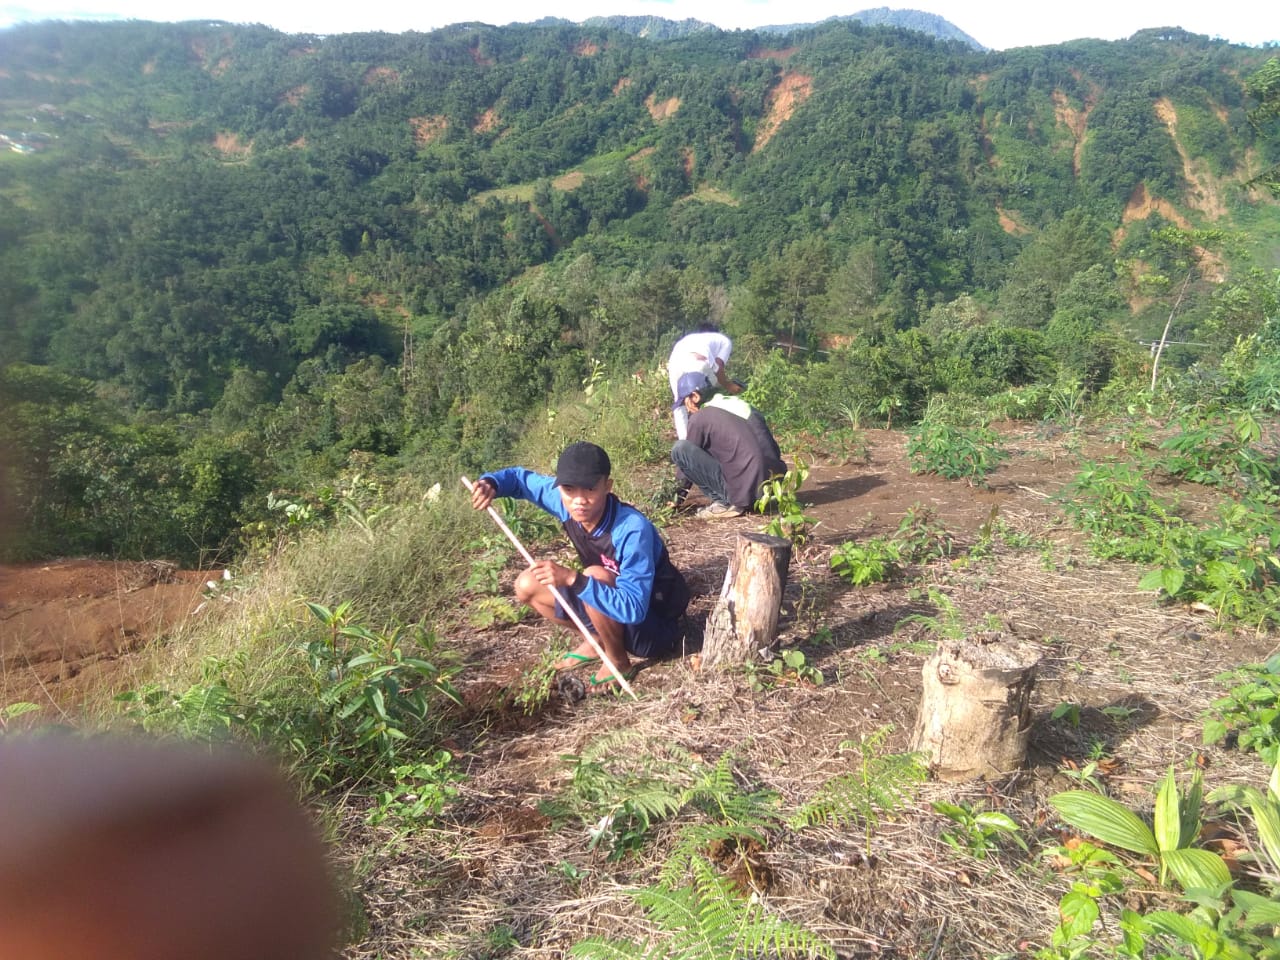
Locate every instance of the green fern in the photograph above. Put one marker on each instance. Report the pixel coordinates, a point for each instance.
(625, 787)
(736, 818)
(708, 920)
(881, 784)
(716, 792)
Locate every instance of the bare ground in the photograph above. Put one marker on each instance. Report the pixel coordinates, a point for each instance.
(508, 868)
(506, 874)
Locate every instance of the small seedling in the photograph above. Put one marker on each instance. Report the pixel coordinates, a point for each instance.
(977, 831)
(789, 667)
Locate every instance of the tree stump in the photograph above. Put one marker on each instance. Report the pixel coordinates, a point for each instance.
(744, 623)
(975, 712)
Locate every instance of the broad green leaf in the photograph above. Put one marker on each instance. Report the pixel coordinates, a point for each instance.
(321, 613)
(1214, 730)
(1259, 910)
(15, 710)
(1187, 807)
(1197, 869)
(1168, 579)
(1266, 818)
(1168, 823)
(1079, 912)
(998, 821)
(1105, 819)
(1174, 925)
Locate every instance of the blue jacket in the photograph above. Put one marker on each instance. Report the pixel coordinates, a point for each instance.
(625, 542)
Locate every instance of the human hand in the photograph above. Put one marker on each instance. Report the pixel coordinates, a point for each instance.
(482, 493)
(551, 574)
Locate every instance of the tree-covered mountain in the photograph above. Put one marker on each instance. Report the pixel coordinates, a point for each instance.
(255, 253)
(927, 23)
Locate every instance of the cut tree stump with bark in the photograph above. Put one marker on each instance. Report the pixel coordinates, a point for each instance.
(744, 624)
(975, 712)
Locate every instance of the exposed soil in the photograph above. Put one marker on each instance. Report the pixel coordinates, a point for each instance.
(792, 90)
(67, 625)
(506, 862)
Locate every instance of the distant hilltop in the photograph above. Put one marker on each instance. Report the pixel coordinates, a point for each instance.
(659, 28)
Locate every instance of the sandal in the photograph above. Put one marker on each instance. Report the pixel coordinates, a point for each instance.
(572, 661)
(610, 684)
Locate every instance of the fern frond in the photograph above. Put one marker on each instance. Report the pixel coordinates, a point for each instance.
(716, 792)
(653, 800)
(598, 948)
(692, 844)
(711, 921)
(880, 786)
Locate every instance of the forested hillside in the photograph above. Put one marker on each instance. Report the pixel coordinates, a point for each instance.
(233, 259)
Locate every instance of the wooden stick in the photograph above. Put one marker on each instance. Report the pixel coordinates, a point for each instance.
(555, 592)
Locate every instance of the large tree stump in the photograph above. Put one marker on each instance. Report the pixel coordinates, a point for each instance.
(975, 713)
(744, 624)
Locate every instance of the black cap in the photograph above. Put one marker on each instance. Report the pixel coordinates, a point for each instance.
(582, 464)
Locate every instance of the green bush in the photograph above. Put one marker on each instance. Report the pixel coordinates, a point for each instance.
(957, 453)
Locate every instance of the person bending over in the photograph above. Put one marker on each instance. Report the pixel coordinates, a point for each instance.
(629, 592)
(729, 452)
(705, 352)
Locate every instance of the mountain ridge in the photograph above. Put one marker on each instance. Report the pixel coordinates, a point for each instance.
(661, 28)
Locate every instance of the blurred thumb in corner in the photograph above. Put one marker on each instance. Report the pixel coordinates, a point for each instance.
(116, 849)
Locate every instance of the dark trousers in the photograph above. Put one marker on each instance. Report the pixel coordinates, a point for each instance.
(695, 465)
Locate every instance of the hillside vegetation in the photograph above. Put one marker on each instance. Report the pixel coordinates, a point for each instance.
(235, 258)
(1014, 318)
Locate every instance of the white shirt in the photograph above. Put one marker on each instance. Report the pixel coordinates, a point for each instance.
(697, 353)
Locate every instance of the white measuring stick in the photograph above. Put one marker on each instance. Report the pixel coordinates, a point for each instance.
(555, 592)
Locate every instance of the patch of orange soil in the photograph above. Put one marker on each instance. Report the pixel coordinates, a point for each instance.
(660, 111)
(67, 625)
(229, 145)
(479, 59)
(486, 121)
(622, 84)
(1076, 121)
(768, 53)
(293, 96)
(1009, 225)
(586, 48)
(427, 129)
(791, 90)
(380, 75)
(1142, 205)
(1203, 193)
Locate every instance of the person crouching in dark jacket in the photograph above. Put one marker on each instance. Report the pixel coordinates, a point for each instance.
(729, 452)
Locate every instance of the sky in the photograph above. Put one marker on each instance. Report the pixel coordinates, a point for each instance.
(998, 24)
